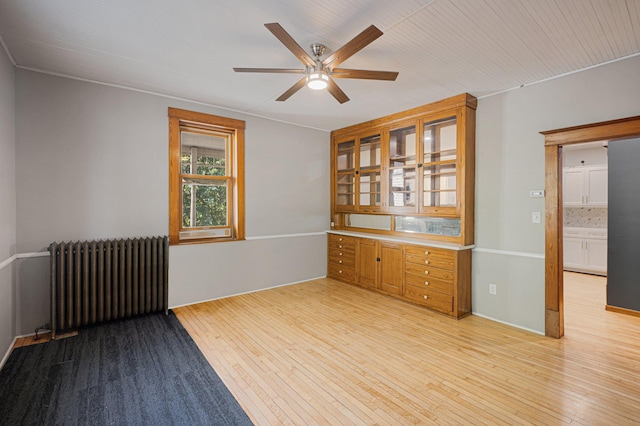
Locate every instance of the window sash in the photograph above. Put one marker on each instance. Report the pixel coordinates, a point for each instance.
(221, 127)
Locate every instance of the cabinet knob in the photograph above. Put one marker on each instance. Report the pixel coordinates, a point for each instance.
(340, 261)
(340, 246)
(426, 252)
(426, 283)
(426, 297)
(426, 262)
(340, 271)
(340, 254)
(426, 272)
(339, 239)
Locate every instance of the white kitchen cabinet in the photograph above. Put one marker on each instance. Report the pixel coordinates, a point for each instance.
(585, 186)
(585, 250)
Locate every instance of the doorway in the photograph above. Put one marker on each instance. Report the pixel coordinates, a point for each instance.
(554, 140)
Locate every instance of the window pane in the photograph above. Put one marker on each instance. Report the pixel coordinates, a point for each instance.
(402, 184)
(402, 147)
(440, 140)
(345, 190)
(370, 152)
(203, 154)
(428, 225)
(370, 189)
(204, 203)
(346, 155)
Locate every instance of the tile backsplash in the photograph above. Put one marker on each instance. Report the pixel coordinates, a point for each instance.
(585, 217)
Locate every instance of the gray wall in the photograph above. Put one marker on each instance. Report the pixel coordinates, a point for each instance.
(510, 163)
(7, 201)
(92, 162)
(623, 285)
(72, 136)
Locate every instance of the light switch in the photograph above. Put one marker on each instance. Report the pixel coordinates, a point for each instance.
(535, 217)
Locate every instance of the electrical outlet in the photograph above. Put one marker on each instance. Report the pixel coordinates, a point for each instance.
(492, 289)
(535, 217)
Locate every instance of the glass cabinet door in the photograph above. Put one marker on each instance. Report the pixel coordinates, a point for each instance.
(369, 172)
(402, 168)
(439, 164)
(345, 179)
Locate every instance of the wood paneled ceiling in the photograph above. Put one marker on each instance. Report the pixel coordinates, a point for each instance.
(441, 48)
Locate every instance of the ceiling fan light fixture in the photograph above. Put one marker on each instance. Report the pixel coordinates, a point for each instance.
(317, 81)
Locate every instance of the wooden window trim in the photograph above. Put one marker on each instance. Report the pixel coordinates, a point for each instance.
(196, 120)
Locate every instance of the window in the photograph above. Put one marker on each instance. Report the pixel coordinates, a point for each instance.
(206, 177)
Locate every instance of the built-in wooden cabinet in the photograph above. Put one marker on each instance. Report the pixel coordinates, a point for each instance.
(408, 174)
(402, 200)
(434, 277)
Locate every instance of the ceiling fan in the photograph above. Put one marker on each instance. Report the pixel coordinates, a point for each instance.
(319, 74)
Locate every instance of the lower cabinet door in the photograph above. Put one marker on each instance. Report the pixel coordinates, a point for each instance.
(367, 258)
(573, 253)
(390, 268)
(596, 255)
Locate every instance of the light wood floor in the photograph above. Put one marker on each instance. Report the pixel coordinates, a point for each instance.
(323, 352)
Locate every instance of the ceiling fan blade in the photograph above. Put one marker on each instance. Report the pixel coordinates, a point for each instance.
(352, 47)
(337, 92)
(364, 74)
(271, 70)
(293, 89)
(284, 37)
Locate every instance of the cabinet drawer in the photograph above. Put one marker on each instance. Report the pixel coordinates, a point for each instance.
(346, 261)
(341, 273)
(428, 283)
(342, 243)
(431, 299)
(434, 262)
(340, 253)
(429, 271)
(419, 254)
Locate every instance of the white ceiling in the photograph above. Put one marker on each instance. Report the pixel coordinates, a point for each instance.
(441, 48)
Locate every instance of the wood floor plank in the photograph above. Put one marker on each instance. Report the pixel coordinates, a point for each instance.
(324, 352)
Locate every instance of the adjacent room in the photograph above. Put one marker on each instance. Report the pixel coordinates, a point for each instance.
(275, 212)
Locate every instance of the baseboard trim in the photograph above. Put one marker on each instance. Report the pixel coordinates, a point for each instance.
(541, 333)
(8, 352)
(624, 311)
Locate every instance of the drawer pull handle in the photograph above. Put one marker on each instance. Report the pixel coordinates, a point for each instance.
(340, 246)
(339, 239)
(426, 272)
(426, 297)
(340, 261)
(340, 271)
(426, 262)
(426, 252)
(340, 254)
(426, 283)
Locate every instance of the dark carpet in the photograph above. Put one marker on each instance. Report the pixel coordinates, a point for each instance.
(141, 371)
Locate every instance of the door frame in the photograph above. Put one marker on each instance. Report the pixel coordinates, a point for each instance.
(554, 140)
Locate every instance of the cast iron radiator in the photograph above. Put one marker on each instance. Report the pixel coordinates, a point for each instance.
(98, 281)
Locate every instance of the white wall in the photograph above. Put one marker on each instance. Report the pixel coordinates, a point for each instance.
(7, 202)
(510, 163)
(92, 162)
(584, 155)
